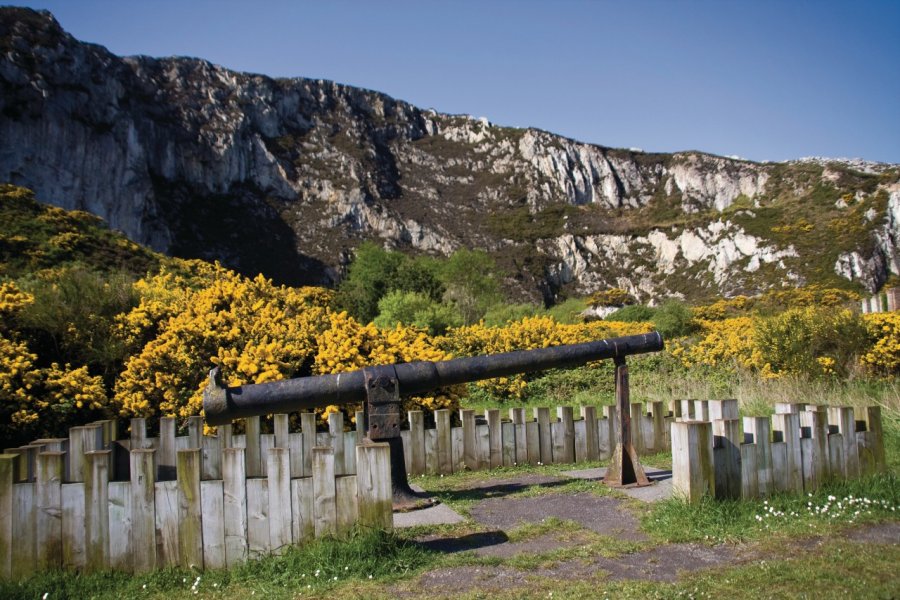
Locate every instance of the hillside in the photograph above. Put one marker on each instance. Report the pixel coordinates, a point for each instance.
(288, 176)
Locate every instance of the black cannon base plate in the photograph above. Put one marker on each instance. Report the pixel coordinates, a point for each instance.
(409, 500)
(628, 486)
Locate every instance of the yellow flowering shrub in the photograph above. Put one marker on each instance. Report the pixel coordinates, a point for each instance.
(776, 300)
(726, 342)
(811, 340)
(255, 331)
(883, 356)
(723, 308)
(611, 297)
(527, 334)
(34, 400)
(811, 295)
(347, 345)
(12, 300)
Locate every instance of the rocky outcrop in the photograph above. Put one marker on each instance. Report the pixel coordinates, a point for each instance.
(287, 176)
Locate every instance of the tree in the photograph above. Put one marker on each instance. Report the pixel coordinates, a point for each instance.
(371, 275)
(469, 277)
(420, 275)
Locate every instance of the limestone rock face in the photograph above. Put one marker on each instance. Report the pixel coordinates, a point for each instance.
(287, 176)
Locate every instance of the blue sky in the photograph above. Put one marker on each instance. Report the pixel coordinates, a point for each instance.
(760, 79)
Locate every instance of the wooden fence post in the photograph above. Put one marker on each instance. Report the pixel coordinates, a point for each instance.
(48, 497)
(542, 416)
(336, 429)
(566, 417)
(138, 433)
(324, 491)
(373, 478)
(470, 456)
(659, 426)
(759, 428)
(637, 429)
(749, 472)
(143, 510)
(692, 460)
(873, 425)
(842, 417)
(444, 441)
(727, 457)
(190, 525)
(416, 446)
(252, 453)
(96, 509)
(591, 445)
(7, 468)
(234, 483)
(279, 474)
(308, 428)
(166, 457)
(194, 431)
(517, 415)
(788, 426)
(495, 436)
(281, 425)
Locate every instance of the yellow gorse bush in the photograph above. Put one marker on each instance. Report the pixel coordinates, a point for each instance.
(33, 398)
(255, 331)
(348, 345)
(527, 334)
(726, 342)
(884, 354)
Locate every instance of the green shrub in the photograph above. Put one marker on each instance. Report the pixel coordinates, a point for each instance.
(632, 314)
(501, 314)
(413, 308)
(673, 319)
(72, 317)
(470, 279)
(369, 277)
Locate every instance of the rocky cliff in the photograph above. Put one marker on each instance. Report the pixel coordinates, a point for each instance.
(287, 176)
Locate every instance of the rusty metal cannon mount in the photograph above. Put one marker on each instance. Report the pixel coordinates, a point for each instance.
(379, 389)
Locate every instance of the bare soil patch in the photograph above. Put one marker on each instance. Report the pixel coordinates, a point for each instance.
(601, 514)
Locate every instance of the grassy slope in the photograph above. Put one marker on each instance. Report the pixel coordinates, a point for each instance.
(35, 237)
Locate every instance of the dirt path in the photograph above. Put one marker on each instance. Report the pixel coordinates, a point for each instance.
(607, 516)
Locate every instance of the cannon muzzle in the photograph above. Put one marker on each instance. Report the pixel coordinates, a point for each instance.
(222, 404)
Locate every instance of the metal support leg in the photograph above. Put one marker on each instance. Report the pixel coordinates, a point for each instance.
(625, 468)
(382, 416)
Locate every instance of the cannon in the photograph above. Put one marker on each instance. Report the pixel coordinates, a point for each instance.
(379, 389)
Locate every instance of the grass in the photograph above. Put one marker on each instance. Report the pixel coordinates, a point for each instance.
(314, 568)
(832, 507)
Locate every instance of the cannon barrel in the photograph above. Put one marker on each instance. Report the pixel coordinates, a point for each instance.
(222, 404)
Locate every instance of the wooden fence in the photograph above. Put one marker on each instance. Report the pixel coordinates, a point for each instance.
(69, 514)
(93, 501)
(887, 300)
(798, 449)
